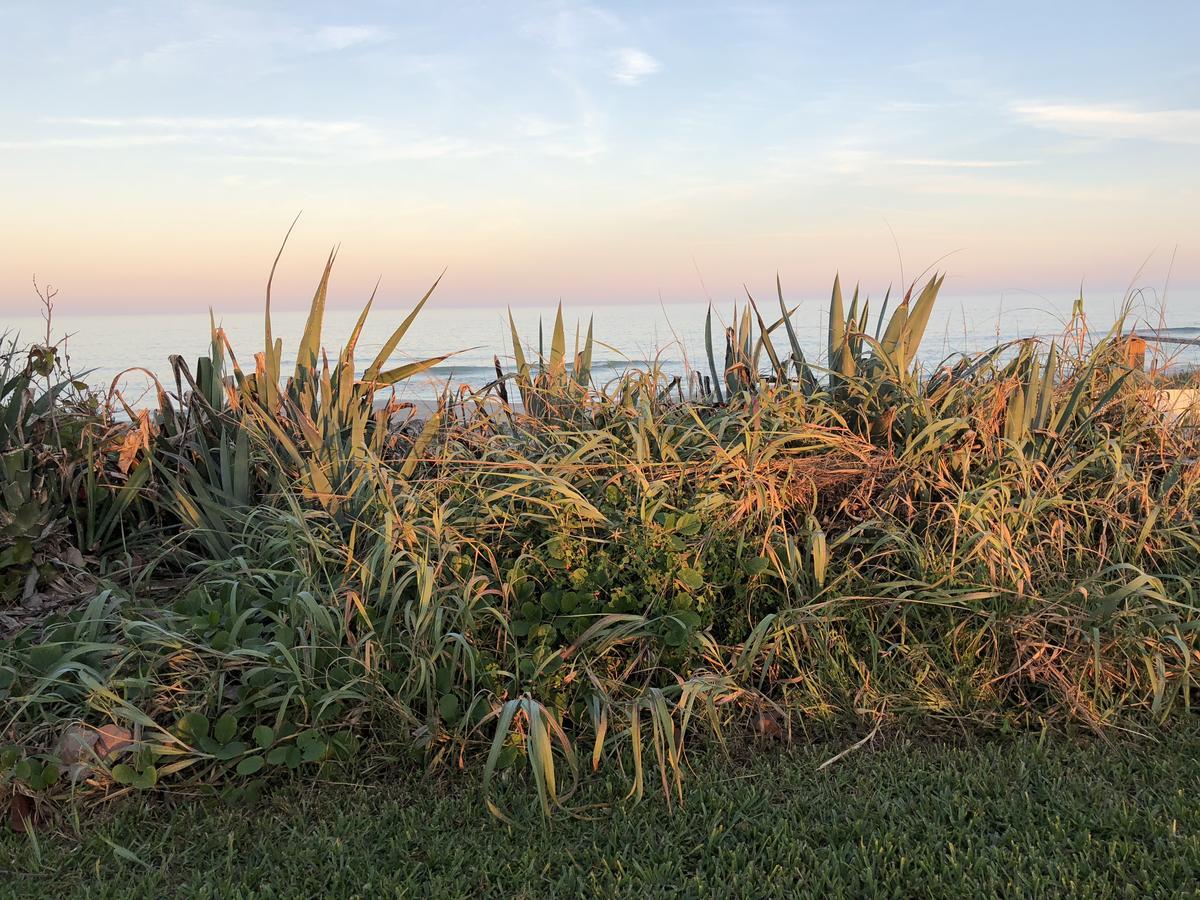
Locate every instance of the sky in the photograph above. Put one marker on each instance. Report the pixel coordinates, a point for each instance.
(152, 155)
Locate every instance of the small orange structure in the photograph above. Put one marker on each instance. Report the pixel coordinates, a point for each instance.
(1135, 351)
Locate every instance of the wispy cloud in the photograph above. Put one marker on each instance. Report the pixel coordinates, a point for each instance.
(342, 37)
(631, 65)
(1111, 121)
(320, 127)
(534, 126)
(96, 142)
(935, 163)
(256, 138)
(571, 26)
(266, 41)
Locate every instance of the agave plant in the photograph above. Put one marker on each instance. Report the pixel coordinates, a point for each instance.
(743, 352)
(235, 435)
(551, 388)
(853, 353)
(39, 457)
(1039, 413)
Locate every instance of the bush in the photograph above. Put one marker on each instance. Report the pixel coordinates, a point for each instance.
(1008, 541)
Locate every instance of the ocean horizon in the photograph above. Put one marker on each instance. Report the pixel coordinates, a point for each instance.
(102, 347)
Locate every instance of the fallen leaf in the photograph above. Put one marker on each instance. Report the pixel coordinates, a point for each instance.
(766, 723)
(111, 740)
(21, 817)
(76, 745)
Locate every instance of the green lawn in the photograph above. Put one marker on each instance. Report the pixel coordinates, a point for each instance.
(1018, 817)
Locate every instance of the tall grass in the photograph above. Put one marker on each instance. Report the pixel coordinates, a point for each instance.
(604, 575)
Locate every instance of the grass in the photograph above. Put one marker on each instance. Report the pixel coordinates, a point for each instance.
(1028, 816)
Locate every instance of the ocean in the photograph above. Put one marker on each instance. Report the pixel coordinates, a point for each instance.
(102, 348)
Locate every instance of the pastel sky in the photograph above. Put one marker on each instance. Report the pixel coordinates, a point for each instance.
(152, 154)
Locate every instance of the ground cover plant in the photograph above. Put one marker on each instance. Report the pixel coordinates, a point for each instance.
(552, 577)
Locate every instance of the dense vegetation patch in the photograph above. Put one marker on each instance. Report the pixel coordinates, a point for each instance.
(552, 575)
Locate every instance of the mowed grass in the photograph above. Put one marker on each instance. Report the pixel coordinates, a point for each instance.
(1019, 817)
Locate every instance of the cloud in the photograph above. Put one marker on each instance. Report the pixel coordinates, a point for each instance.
(630, 66)
(255, 41)
(571, 26)
(342, 37)
(256, 138)
(304, 130)
(933, 163)
(1109, 121)
(96, 142)
(538, 127)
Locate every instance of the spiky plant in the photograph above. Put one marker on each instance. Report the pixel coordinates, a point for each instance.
(549, 387)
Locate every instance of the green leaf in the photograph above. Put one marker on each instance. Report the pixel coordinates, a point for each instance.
(448, 708)
(837, 325)
(124, 774)
(250, 765)
(231, 750)
(43, 657)
(252, 792)
(558, 344)
(918, 318)
(583, 361)
(309, 350)
(675, 634)
(389, 346)
(757, 565)
(691, 578)
(518, 353)
(225, 729)
(712, 362)
(264, 736)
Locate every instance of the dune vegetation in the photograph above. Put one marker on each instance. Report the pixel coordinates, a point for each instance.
(276, 573)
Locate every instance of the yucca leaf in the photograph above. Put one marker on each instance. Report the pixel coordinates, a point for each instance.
(392, 342)
(400, 373)
(712, 362)
(894, 334)
(346, 372)
(808, 381)
(583, 360)
(421, 443)
(747, 336)
(1014, 420)
(732, 362)
(558, 345)
(518, 353)
(272, 349)
(1046, 389)
(310, 341)
(882, 312)
(852, 321)
(1032, 386)
(764, 341)
(837, 325)
(918, 319)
